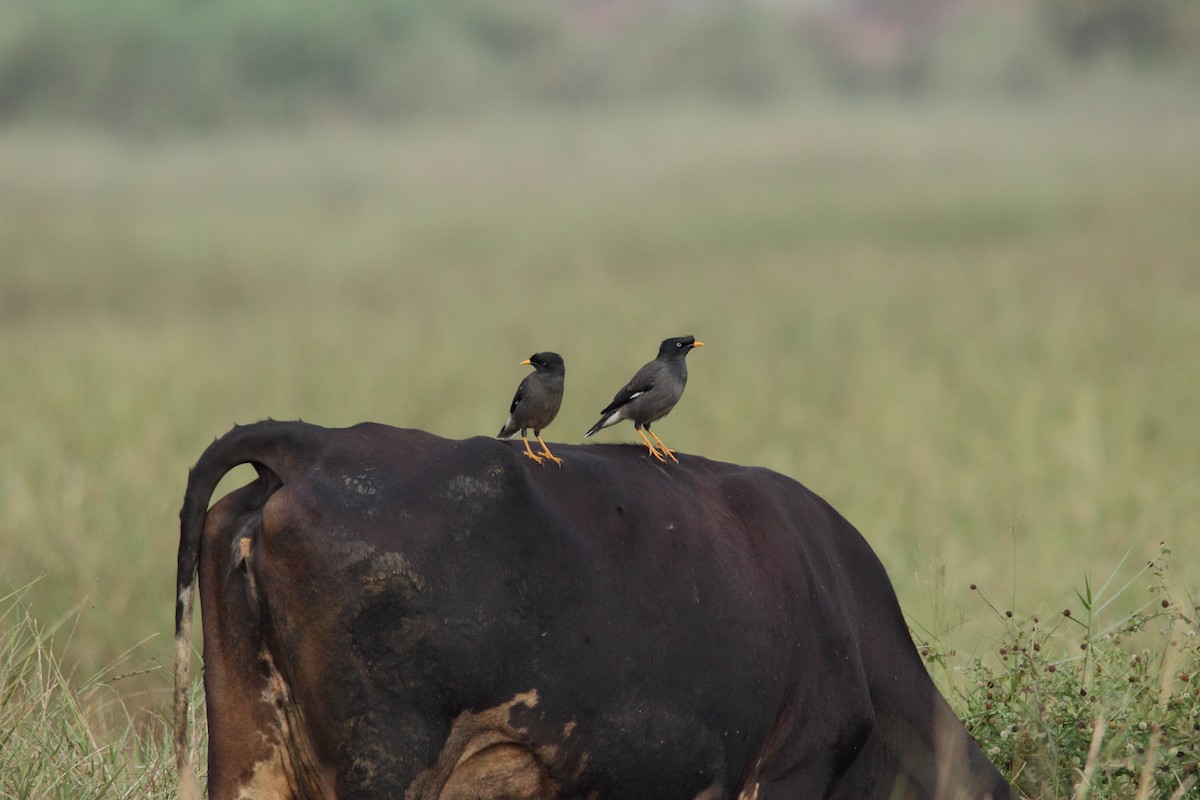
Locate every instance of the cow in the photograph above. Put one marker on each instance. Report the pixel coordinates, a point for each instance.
(391, 614)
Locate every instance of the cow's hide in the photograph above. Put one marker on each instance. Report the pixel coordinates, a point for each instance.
(392, 614)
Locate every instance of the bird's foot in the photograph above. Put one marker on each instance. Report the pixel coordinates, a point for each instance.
(662, 447)
(529, 451)
(650, 445)
(546, 450)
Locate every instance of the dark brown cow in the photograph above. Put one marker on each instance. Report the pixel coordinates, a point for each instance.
(389, 614)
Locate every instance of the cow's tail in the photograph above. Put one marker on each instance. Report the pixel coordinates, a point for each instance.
(279, 451)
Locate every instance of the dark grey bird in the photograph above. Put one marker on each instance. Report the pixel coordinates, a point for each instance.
(536, 403)
(652, 393)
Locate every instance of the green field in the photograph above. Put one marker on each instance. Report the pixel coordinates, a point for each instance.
(973, 329)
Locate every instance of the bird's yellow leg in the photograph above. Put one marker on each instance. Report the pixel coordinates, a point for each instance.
(546, 451)
(650, 446)
(666, 450)
(529, 451)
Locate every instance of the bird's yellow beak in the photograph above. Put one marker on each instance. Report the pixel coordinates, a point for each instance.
(697, 344)
(527, 361)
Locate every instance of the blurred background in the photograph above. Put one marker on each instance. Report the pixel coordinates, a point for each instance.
(945, 256)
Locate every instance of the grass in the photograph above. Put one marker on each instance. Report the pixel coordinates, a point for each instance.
(62, 737)
(970, 328)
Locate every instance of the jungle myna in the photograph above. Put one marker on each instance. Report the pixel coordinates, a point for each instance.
(536, 402)
(652, 393)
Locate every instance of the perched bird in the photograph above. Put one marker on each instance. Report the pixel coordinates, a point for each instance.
(652, 393)
(536, 402)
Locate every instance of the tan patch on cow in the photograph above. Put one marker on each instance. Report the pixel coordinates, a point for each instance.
(750, 782)
(241, 563)
(465, 487)
(360, 484)
(499, 770)
(291, 768)
(380, 571)
(749, 793)
(269, 781)
(486, 756)
(472, 493)
(393, 570)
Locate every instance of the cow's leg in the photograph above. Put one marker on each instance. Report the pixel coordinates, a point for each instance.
(937, 761)
(254, 731)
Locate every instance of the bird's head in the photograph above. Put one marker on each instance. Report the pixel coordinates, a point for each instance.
(551, 363)
(677, 347)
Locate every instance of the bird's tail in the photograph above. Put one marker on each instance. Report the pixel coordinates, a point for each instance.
(603, 422)
(508, 430)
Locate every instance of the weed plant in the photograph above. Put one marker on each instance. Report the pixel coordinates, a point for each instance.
(1071, 704)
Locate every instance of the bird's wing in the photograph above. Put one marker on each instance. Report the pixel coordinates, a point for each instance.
(642, 382)
(522, 390)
